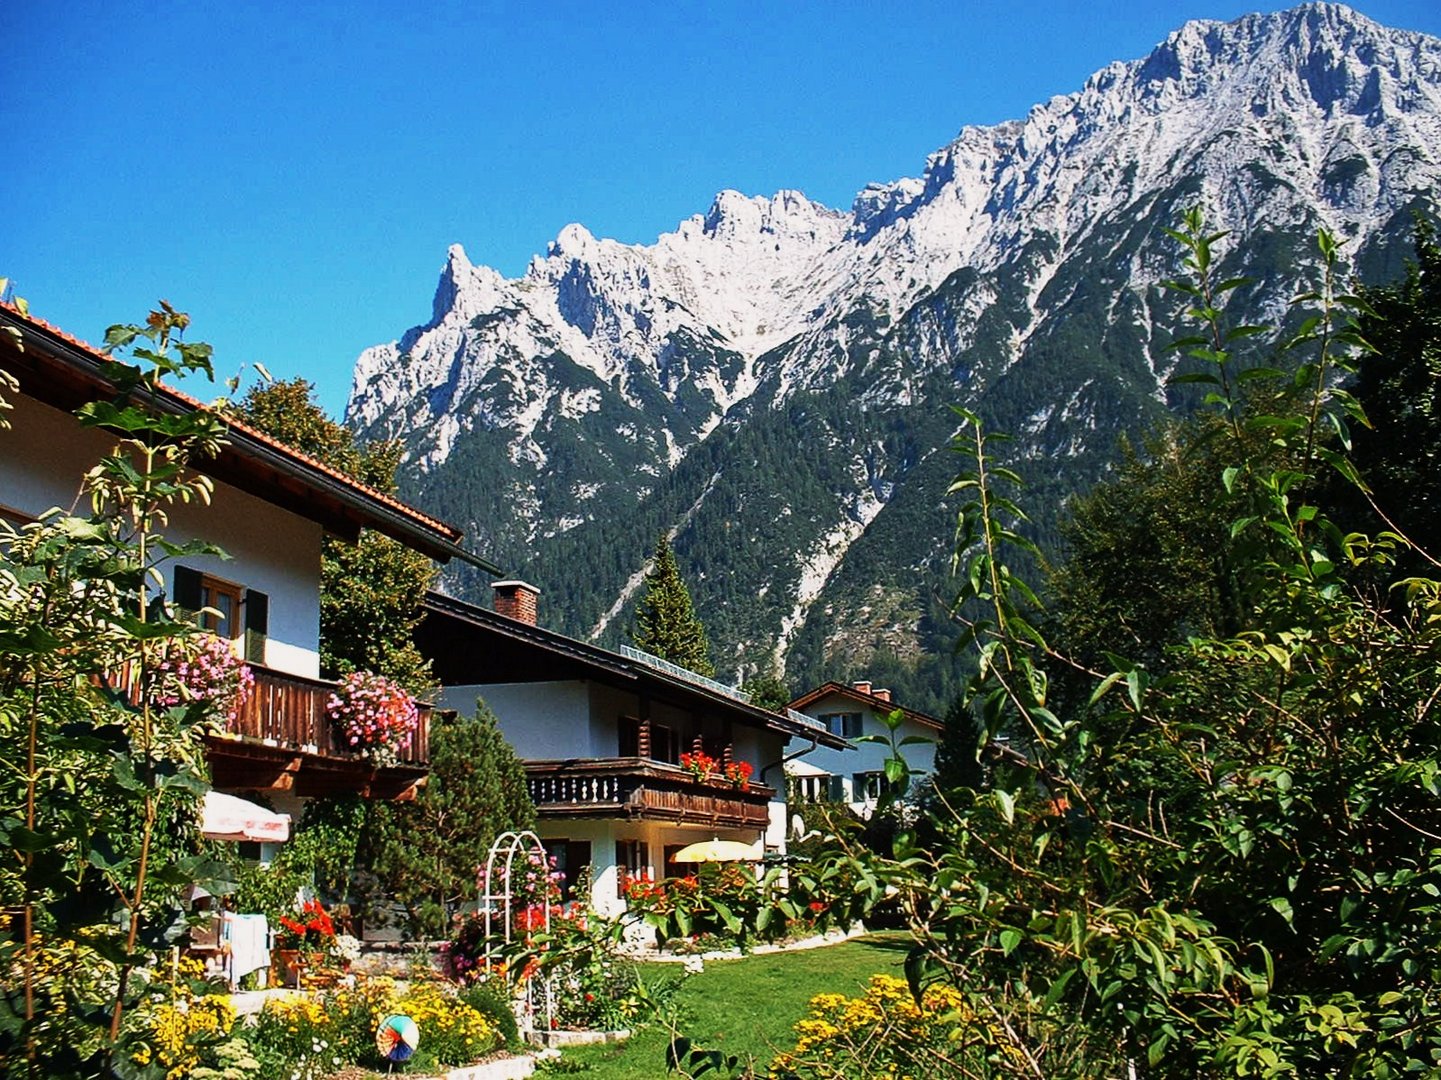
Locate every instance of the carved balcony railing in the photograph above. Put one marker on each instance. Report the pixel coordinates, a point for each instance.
(641, 788)
(289, 710)
(281, 739)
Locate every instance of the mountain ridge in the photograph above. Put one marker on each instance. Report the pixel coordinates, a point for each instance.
(560, 410)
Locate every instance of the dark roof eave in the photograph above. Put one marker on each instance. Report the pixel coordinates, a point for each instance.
(373, 515)
(615, 665)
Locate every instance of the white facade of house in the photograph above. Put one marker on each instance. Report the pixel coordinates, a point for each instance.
(581, 720)
(855, 775)
(44, 457)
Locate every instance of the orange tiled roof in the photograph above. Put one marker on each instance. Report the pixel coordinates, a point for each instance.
(878, 704)
(450, 532)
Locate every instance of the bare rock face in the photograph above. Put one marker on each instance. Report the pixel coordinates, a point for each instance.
(770, 380)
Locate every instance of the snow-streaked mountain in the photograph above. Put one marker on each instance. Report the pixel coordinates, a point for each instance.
(561, 415)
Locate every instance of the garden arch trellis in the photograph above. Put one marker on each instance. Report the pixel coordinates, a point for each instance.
(498, 909)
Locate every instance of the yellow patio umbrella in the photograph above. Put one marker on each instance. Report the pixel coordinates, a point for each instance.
(719, 851)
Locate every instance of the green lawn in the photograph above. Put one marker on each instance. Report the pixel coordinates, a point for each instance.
(747, 1006)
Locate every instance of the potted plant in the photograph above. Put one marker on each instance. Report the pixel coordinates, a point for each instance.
(376, 717)
(738, 773)
(302, 944)
(203, 668)
(699, 764)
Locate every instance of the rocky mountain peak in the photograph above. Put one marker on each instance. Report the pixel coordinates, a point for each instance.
(617, 387)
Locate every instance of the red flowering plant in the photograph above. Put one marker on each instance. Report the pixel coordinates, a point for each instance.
(312, 931)
(202, 668)
(377, 719)
(533, 887)
(699, 764)
(739, 774)
(720, 905)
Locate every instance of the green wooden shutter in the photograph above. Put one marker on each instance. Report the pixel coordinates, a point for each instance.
(257, 625)
(187, 590)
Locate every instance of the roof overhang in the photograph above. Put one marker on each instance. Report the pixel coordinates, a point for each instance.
(470, 645)
(876, 704)
(65, 373)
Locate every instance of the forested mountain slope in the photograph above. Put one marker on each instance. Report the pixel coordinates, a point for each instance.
(772, 380)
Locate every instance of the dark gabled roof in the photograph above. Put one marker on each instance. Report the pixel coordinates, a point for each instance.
(62, 371)
(878, 704)
(470, 645)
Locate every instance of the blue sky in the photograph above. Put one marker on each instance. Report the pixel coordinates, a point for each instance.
(292, 173)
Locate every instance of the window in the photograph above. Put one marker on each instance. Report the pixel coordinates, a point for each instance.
(673, 868)
(664, 746)
(223, 597)
(628, 732)
(572, 863)
(845, 724)
(817, 787)
(238, 615)
(868, 786)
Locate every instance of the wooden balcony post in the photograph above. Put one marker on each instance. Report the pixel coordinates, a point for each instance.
(643, 732)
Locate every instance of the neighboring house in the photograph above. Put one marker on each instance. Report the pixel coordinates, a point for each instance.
(601, 735)
(271, 508)
(856, 774)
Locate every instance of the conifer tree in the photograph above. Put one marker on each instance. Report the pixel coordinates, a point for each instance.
(423, 854)
(958, 751)
(665, 620)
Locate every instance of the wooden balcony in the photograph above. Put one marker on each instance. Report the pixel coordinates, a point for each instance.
(282, 740)
(638, 788)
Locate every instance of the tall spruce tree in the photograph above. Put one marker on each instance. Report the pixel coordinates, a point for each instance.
(1399, 385)
(959, 750)
(665, 620)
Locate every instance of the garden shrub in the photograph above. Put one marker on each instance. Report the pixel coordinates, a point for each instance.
(887, 1033)
(184, 1028)
(314, 1035)
(491, 998)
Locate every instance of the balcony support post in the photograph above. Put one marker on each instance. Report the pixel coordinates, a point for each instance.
(643, 735)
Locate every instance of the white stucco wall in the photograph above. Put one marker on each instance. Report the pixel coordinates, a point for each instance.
(46, 453)
(541, 720)
(603, 835)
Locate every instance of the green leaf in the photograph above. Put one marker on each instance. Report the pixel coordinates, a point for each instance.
(1006, 804)
(676, 1052)
(1009, 938)
(1136, 682)
(1282, 907)
(1105, 685)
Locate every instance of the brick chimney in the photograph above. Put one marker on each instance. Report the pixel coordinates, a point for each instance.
(863, 687)
(882, 693)
(516, 600)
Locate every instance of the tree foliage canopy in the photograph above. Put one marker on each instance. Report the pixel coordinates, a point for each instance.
(101, 749)
(1223, 859)
(1400, 385)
